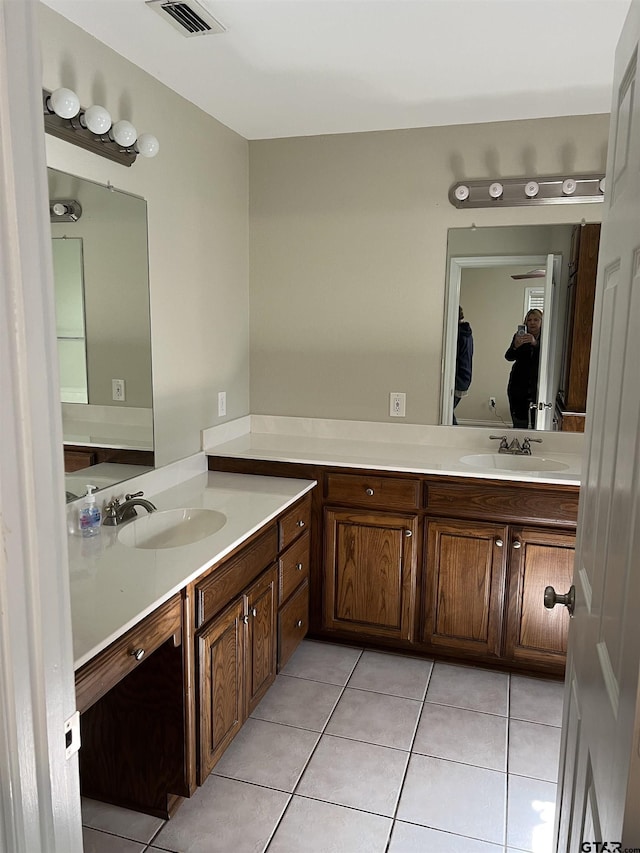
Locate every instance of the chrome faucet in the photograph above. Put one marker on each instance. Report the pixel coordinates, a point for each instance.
(116, 512)
(515, 448)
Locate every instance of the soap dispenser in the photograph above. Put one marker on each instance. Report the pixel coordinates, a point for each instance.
(90, 516)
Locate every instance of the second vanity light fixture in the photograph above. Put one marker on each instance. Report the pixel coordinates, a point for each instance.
(521, 191)
(93, 128)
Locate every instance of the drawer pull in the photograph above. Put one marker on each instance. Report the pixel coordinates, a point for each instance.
(299, 567)
(299, 623)
(408, 533)
(138, 654)
(300, 523)
(369, 492)
(499, 543)
(517, 544)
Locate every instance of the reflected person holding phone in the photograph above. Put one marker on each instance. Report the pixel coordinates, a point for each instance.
(524, 351)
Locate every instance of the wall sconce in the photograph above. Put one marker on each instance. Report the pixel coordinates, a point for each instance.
(519, 192)
(93, 129)
(65, 210)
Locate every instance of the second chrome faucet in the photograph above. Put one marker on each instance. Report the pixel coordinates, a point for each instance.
(514, 447)
(116, 512)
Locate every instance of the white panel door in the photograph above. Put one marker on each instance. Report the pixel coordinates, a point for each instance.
(599, 789)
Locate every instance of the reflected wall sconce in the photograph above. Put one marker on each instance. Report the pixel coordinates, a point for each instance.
(93, 128)
(521, 192)
(65, 210)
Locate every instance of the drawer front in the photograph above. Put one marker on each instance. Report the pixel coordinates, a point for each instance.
(497, 502)
(377, 492)
(293, 624)
(231, 578)
(110, 666)
(294, 568)
(294, 522)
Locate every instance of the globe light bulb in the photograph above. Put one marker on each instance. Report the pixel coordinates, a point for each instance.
(147, 145)
(462, 192)
(569, 186)
(532, 189)
(495, 190)
(124, 133)
(96, 119)
(64, 103)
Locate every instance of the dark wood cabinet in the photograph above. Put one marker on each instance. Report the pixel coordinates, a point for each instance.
(294, 540)
(465, 586)
(262, 603)
(370, 569)
(536, 635)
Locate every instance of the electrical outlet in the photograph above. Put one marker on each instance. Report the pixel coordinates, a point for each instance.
(117, 390)
(397, 404)
(492, 402)
(222, 404)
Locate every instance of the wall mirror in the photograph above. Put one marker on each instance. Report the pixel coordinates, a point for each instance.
(496, 274)
(101, 272)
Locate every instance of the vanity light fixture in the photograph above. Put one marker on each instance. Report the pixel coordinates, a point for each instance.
(92, 128)
(519, 192)
(65, 210)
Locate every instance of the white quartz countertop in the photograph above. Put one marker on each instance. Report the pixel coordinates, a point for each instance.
(416, 458)
(114, 586)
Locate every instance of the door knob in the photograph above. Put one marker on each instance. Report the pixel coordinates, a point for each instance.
(551, 598)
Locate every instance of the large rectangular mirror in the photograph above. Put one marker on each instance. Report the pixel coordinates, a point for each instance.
(498, 278)
(101, 277)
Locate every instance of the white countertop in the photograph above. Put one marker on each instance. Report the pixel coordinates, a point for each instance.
(114, 586)
(417, 450)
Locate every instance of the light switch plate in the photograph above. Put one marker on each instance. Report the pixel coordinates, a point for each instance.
(397, 404)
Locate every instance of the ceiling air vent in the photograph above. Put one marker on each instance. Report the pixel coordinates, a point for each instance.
(191, 19)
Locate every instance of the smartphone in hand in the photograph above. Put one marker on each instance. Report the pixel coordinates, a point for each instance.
(522, 330)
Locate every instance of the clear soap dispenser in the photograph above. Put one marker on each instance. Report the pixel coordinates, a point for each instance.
(90, 516)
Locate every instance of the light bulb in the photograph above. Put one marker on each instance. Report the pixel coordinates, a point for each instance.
(532, 189)
(59, 209)
(96, 119)
(495, 190)
(147, 145)
(124, 133)
(462, 192)
(64, 103)
(569, 186)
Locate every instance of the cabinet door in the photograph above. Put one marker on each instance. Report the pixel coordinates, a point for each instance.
(464, 586)
(221, 668)
(262, 601)
(539, 558)
(370, 573)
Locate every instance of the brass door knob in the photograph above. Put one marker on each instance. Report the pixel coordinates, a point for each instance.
(551, 598)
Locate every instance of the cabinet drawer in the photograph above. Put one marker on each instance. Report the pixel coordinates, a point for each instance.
(378, 492)
(230, 578)
(109, 667)
(294, 522)
(293, 623)
(294, 567)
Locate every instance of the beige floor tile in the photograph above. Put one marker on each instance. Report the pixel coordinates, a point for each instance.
(534, 750)
(531, 814)
(409, 838)
(375, 718)
(298, 702)
(310, 826)
(322, 662)
(394, 674)
(123, 822)
(94, 841)
(359, 775)
(538, 700)
(468, 687)
(460, 735)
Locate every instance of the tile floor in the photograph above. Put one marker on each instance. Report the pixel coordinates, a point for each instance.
(356, 751)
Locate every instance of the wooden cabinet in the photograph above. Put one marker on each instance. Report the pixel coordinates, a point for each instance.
(293, 578)
(534, 634)
(465, 586)
(370, 570)
(262, 601)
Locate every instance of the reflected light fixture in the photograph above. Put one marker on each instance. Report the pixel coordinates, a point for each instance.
(65, 210)
(518, 192)
(93, 129)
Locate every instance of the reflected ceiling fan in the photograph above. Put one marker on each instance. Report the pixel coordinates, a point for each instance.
(540, 273)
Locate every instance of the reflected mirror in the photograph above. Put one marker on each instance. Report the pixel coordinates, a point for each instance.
(497, 275)
(101, 274)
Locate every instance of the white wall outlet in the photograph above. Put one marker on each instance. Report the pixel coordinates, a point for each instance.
(397, 404)
(222, 404)
(117, 390)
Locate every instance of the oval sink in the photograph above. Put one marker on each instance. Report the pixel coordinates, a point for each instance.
(172, 528)
(505, 462)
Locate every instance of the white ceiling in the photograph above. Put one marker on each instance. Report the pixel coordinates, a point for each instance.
(307, 67)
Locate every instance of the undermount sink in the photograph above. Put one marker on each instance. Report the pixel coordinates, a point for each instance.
(172, 528)
(505, 462)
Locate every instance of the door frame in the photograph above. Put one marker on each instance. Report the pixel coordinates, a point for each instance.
(39, 785)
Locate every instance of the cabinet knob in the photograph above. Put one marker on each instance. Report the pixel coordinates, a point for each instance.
(551, 598)
(300, 523)
(245, 619)
(517, 544)
(369, 492)
(254, 612)
(499, 543)
(138, 654)
(299, 566)
(299, 623)
(408, 533)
